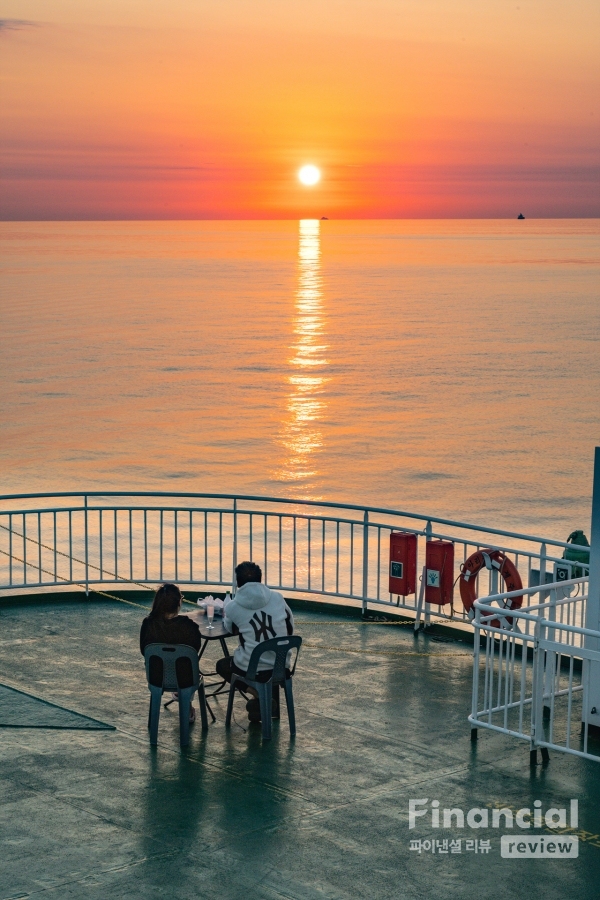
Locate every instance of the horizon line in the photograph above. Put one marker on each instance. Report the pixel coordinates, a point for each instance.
(305, 217)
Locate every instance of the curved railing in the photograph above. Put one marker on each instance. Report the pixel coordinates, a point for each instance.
(533, 669)
(311, 548)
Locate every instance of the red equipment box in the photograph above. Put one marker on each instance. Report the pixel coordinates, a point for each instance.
(403, 563)
(439, 574)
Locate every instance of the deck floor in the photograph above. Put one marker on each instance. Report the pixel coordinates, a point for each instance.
(381, 719)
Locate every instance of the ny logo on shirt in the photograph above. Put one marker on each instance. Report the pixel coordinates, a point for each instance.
(262, 626)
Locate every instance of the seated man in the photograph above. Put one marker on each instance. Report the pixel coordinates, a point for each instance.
(257, 614)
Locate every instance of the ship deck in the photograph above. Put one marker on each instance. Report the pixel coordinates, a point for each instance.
(382, 718)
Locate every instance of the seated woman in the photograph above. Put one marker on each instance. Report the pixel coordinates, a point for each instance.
(165, 625)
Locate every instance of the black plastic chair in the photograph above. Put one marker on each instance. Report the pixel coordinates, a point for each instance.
(174, 667)
(281, 676)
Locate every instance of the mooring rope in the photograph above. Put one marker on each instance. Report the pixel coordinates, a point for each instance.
(70, 557)
(82, 562)
(68, 581)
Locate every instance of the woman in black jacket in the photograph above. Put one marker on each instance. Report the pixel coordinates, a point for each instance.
(164, 625)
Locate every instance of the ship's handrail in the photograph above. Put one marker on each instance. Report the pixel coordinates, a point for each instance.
(314, 518)
(316, 548)
(383, 510)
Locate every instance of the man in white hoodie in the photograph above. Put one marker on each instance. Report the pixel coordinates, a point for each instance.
(256, 614)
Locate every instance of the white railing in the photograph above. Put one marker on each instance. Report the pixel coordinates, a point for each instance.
(312, 548)
(531, 669)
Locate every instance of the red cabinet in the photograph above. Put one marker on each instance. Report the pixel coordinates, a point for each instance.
(403, 563)
(439, 572)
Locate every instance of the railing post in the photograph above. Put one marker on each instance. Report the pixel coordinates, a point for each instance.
(428, 533)
(233, 581)
(537, 690)
(543, 554)
(550, 673)
(365, 585)
(493, 581)
(420, 600)
(476, 653)
(85, 504)
(591, 678)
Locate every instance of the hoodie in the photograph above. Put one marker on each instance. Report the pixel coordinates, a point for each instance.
(258, 614)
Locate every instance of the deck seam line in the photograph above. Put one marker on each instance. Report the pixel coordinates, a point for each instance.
(97, 872)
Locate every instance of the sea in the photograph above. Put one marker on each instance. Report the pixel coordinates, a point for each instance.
(449, 368)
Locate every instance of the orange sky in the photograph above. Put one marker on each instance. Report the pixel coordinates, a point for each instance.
(207, 108)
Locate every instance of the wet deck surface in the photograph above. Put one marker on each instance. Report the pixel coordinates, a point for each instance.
(381, 719)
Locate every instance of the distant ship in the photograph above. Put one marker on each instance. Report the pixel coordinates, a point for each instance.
(324, 219)
(520, 216)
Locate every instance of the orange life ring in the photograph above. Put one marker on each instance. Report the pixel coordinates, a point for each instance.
(490, 559)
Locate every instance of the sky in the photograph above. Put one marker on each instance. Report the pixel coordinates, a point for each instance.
(206, 109)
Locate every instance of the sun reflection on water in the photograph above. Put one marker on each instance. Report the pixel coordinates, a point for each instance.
(301, 434)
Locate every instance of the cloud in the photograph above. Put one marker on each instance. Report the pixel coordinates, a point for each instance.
(15, 24)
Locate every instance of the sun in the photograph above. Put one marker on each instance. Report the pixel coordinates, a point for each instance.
(309, 175)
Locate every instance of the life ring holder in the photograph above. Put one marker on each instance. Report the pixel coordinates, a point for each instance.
(491, 559)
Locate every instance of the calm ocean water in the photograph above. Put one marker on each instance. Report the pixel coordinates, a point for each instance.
(445, 367)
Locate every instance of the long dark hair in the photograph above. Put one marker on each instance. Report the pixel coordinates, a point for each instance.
(167, 601)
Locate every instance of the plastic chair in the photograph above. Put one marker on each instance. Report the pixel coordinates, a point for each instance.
(281, 675)
(174, 667)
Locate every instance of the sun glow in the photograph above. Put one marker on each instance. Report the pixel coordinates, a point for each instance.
(309, 175)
